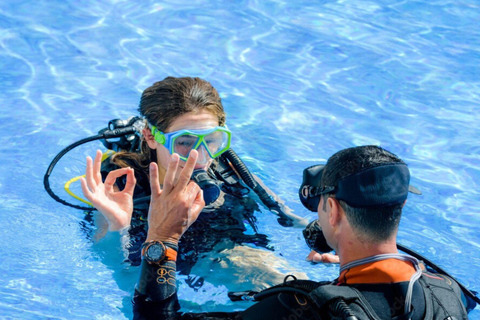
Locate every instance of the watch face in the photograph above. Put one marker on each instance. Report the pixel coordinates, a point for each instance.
(155, 252)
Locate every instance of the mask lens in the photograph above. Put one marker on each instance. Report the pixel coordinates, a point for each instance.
(217, 142)
(184, 144)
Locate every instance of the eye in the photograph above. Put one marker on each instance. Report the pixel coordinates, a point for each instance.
(184, 143)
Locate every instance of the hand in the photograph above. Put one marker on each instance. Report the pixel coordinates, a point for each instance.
(316, 257)
(116, 206)
(174, 208)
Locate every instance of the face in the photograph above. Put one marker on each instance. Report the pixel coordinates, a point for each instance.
(323, 220)
(196, 121)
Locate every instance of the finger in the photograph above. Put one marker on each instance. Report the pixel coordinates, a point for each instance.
(154, 183)
(112, 177)
(192, 190)
(168, 181)
(330, 258)
(131, 182)
(186, 173)
(97, 164)
(85, 190)
(89, 175)
(198, 205)
(317, 258)
(194, 200)
(311, 255)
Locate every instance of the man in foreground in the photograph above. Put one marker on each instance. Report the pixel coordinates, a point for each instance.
(359, 196)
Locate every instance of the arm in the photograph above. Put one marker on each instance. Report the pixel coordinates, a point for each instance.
(299, 222)
(172, 211)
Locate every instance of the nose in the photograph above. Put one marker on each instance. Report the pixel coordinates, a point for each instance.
(203, 156)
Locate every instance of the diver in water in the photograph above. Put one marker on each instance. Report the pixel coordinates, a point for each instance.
(358, 195)
(180, 115)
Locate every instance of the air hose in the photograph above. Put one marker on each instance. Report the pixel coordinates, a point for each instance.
(340, 310)
(105, 134)
(250, 181)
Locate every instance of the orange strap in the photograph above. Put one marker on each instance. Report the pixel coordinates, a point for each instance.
(171, 254)
(385, 271)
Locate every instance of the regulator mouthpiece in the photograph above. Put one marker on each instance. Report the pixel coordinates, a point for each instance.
(210, 187)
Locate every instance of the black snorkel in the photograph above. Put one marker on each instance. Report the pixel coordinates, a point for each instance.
(386, 184)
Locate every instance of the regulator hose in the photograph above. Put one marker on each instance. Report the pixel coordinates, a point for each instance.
(107, 134)
(250, 181)
(340, 309)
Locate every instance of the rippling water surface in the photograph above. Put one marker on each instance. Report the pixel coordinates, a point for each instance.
(300, 80)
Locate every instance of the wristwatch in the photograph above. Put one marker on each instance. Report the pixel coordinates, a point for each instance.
(155, 252)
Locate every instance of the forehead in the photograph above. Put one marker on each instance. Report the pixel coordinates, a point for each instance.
(194, 120)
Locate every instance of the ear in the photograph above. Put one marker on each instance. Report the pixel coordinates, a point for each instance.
(336, 211)
(148, 136)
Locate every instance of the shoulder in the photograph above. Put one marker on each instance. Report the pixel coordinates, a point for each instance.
(444, 293)
(440, 280)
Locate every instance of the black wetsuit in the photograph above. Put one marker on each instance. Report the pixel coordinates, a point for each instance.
(221, 226)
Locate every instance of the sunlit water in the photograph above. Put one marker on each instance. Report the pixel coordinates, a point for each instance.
(300, 80)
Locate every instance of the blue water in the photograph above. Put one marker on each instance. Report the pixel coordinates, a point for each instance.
(300, 80)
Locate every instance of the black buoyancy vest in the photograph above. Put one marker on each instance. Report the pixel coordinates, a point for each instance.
(444, 299)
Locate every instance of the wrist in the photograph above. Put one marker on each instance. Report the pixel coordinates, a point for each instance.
(162, 238)
(118, 223)
(158, 252)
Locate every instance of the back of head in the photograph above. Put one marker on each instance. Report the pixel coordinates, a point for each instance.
(165, 100)
(377, 223)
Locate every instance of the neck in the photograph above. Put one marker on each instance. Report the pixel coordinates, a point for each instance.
(352, 250)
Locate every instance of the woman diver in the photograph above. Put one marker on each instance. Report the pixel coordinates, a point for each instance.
(182, 114)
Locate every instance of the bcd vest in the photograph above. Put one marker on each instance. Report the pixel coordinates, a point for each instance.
(444, 299)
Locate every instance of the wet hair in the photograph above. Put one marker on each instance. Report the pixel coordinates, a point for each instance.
(377, 223)
(165, 101)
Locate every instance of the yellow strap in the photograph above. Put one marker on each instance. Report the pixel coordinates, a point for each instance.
(105, 155)
(67, 188)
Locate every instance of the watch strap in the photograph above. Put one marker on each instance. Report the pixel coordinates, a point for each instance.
(170, 254)
(170, 245)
